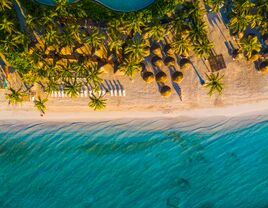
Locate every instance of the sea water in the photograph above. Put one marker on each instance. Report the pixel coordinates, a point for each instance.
(135, 164)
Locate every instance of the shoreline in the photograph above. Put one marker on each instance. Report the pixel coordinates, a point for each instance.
(248, 109)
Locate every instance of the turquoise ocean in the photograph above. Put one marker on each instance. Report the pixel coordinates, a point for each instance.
(220, 163)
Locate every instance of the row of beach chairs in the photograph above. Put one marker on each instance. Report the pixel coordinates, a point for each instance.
(90, 93)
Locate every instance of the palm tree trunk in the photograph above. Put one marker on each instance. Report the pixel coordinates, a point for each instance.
(21, 15)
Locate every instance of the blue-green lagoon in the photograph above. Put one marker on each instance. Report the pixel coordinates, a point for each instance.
(222, 163)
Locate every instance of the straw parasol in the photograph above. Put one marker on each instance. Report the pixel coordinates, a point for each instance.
(50, 49)
(67, 50)
(148, 76)
(156, 49)
(263, 67)
(185, 63)
(169, 61)
(177, 76)
(165, 91)
(84, 49)
(265, 38)
(157, 61)
(147, 51)
(107, 68)
(254, 56)
(265, 53)
(161, 76)
(237, 54)
(168, 50)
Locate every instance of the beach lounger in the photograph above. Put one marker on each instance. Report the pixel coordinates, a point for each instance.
(124, 93)
(62, 93)
(115, 92)
(32, 98)
(82, 93)
(59, 93)
(86, 93)
(111, 92)
(120, 92)
(90, 93)
(103, 92)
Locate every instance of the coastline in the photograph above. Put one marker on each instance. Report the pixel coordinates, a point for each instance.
(248, 109)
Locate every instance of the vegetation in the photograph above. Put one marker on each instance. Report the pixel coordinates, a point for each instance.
(58, 48)
(40, 104)
(97, 103)
(214, 83)
(15, 97)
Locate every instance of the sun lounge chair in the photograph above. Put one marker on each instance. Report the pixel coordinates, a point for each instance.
(120, 92)
(124, 93)
(115, 92)
(62, 93)
(103, 92)
(59, 93)
(82, 92)
(111, 92)
(90, 93)
(32, 98)
(86, 93)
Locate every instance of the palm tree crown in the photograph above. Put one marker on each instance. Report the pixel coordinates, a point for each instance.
(214, 83)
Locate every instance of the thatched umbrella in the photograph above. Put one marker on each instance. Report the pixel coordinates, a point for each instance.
(107, 68)
(185, 63)
(265, 38)
(67, 50)
(165, 91)
(84, 49)
(263, 67)
(156, 49)
(147, 51)
(168, 50)
(177, 76)
(148, 76)
(254, 56)
(237, 54)
(50, 49)
(157, 62)
(265, 53)
(169, 61)
(161, 76)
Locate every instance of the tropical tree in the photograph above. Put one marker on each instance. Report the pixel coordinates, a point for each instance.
(203, 49)
(93, 76)
(95, 38)
(181, 46)
(155, 31)
(129, 67)
(97, 103)
(115, 44)
(15, 96)
(5, 4)
(215, 4)
(214, 83)
(40, 104)
(72, 88)
(137, 49)
(249, 45)
(7, 25)
(134, 23)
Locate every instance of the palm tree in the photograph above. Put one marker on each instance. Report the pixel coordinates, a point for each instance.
(215, 4)
(39, 103)
(7, 25)
(93, 76)
(97, 103)
(115, 44)
(249, 45)
(95, 38)
(214, 83)
(203, 49)
(72, 88)
(156, 31)
(129, 67)
(5, 4)
(15, 96)
(181, 46)
(134, 23)
(137, 49)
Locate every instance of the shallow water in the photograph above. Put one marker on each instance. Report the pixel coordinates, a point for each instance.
(139, 164)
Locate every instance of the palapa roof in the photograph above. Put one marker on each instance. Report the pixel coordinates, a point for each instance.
(156, 49)
(169, 61)
(67, 50)
(157, 61)
(107, 68)
(165, 91)
(216, 62)
(185, 63)
(168, 50)
(161, 76)
(148, 76)
(177, 76)
(254, 56)
(263, 67)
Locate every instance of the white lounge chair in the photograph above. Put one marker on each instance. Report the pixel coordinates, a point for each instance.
(103, 92)
(62, 93)
(124, 93)
(120, 92)
(59, 93)
(90, 93)
(86, 93)
(82, 93)
(111, 92)
(115, 92)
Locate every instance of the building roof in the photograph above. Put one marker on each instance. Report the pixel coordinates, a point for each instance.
(216, 62)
